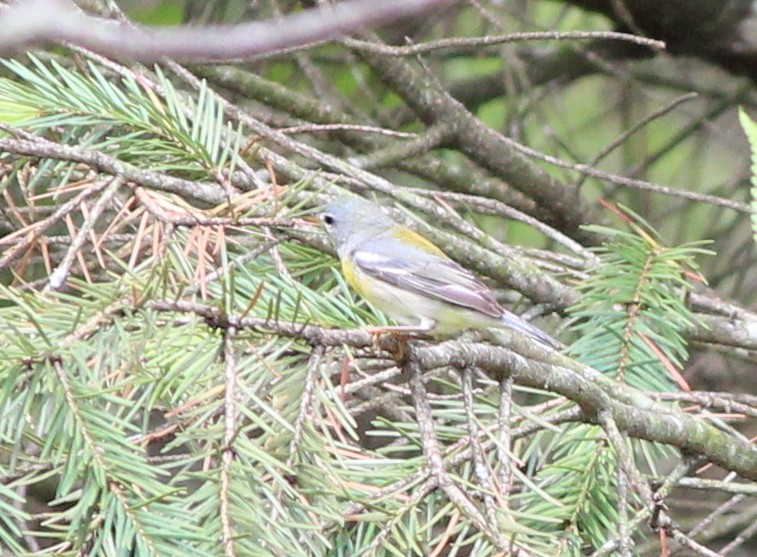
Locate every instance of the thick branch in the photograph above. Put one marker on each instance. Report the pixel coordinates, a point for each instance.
(640, 420)
(54, 21)
(479, 142)
(633, 411)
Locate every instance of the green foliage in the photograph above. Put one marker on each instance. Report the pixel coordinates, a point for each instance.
(122, 406)
(750, 129)
(580, 498)
(629, 321)
(633, 309)
(122, 117)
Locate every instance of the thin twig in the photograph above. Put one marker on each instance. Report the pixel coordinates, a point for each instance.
(434, 136)
(696, 547)
(229, 434)
(504, 439)
(625, 458)
(40, 227)
(305, 412)
(745, 535)
(316, 128)
(644, 514)
(495, 207)
(432, 451)
(721, 511)
(624, 536)
(614, 144)
(58, 276)
(480, 465)
(194, 217)
(629, 182)
(742, 489)
(474, 43)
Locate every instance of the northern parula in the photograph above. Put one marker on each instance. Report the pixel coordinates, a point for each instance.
(409, 278)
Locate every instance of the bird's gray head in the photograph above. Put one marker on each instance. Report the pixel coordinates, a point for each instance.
(349, 221)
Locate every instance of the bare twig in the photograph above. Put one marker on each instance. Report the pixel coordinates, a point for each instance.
(495, 207)
(625, 458)
(433, 455)
(504, 439)
(624, 535)
(481, 466)
(629, 182)
(316, 128)
(747, 534)
(614, 144)
(40, 227)
(644, 514)
(229, 434)
(433, 137)
(696, 547)
(58, 276)
(471, 43)
(719, 512)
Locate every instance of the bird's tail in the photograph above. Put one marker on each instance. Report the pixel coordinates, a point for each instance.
(514, 322)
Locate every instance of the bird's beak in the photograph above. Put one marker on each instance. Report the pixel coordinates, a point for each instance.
(312, 219)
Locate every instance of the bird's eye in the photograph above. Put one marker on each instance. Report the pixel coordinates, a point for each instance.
(328, 220)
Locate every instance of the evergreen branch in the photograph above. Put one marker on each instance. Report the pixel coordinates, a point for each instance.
(632, 314)
(455, 455)
(38, 147)
(106, 472)
(172, 133)
(632, 410)
(512, 271)
(593, 392)
(154, 368)
(436, 466)
(33, 234)
(134, 518)
(12, 518)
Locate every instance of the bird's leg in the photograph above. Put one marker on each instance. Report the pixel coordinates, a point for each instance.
(401, 333)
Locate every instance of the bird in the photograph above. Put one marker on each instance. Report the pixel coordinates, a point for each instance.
(411, 279)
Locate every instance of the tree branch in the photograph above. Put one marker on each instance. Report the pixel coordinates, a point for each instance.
(633, 411)
(28, 22)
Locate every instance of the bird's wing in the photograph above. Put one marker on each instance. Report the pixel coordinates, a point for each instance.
(428, 274)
